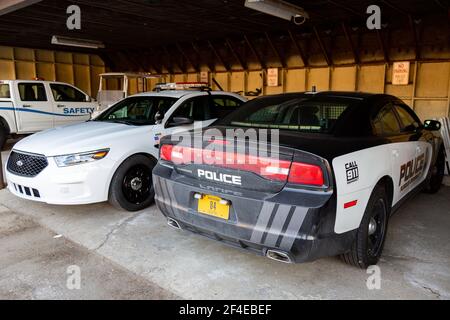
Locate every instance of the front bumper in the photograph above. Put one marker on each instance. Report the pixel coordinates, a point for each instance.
(80, 184)
(296, 223)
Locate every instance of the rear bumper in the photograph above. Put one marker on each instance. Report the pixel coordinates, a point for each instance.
(298, 224)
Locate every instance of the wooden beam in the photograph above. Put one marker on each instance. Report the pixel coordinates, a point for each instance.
(275, 50)
(255, 53)
(169, 65)
(382, 46)
(235, 54)
(415, 38)
(299, 49)
(218, 56)
(188, 59)
(322, 47)
(7, 6)
(350, 43)
(211, 66)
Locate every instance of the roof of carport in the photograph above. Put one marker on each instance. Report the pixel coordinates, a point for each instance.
(135, 24)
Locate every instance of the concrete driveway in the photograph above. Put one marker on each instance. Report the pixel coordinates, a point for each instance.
(415, 264)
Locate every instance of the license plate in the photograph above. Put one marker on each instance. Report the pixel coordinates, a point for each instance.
(211, 206)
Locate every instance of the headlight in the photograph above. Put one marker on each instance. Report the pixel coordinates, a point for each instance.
(80, 158)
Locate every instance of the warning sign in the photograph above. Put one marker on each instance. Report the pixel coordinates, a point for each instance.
(400, 74)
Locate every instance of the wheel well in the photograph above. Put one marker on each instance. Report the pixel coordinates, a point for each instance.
(4, 124)
(152, 158)
(388, 185)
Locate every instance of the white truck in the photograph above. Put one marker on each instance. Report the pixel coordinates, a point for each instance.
(30, 106)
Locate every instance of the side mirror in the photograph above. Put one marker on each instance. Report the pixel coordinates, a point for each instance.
(432, 125)
(180, 121)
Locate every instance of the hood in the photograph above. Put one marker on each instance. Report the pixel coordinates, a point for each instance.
(83, 137)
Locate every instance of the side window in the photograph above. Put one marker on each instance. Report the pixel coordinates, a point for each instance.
(64, 93)
(223, 105)
(4, 91)
(32, 92)
(386, 122)
(409, 123)
(195, 109)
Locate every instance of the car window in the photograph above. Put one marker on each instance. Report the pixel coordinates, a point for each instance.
(299, 115)
(386, 122)
(4, 91)
(32, 92)
(64, 93)
(196, 109)
(409, 123)
(137, 110)
(221, 106)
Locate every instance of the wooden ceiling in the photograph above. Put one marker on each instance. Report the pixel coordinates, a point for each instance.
(144, 30)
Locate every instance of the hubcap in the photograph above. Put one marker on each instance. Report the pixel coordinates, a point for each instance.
(377, 228)
(372, 226)
(137, 183)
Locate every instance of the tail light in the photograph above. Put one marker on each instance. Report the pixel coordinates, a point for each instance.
(273, 169)
(307, 174)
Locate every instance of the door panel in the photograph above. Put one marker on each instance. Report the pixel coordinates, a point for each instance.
(70, 104)
(34, 110)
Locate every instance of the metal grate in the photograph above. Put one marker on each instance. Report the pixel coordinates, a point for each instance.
(26, 165)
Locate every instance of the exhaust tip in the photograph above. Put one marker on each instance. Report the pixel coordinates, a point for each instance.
(278, 256)
(173, 223)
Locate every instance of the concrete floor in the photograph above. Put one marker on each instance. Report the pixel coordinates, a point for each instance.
(415, 264)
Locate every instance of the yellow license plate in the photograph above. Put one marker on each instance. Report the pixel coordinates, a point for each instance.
(211, 206)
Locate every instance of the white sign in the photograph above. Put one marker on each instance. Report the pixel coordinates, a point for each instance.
(400, 73)
(272, 77)
(204, 76)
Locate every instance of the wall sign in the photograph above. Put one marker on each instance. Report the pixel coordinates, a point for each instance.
(272, 77)
(204, 76)
(400, 73)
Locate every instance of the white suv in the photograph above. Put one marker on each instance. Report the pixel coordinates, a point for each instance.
(110, 157)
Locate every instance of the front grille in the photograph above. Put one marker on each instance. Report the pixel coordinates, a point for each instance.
(26, 165)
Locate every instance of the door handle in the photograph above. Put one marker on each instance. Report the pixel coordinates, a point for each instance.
(27, 106)
(61, 106)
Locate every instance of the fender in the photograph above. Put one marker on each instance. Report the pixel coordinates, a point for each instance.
(7, 117)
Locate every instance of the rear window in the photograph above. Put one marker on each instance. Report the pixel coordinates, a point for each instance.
(4, 91)
(305, 115)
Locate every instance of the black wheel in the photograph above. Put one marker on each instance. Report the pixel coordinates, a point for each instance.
(3, 137)
(371, 235)
(131, 188)
(437, 174)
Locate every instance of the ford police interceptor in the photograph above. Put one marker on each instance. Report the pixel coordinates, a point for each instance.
(31, 106)
(344, 163)
(112, 156)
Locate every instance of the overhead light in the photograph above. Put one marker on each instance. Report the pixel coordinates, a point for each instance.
(74, 42)
(280, 9)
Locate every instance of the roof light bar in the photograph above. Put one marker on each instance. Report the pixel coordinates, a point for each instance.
(182, 86)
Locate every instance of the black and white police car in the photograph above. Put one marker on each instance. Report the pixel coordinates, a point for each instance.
(343, 163)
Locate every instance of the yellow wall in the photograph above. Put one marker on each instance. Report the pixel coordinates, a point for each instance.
(428, 92)
(81, 70)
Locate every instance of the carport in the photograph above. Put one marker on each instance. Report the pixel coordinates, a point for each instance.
(238, 49)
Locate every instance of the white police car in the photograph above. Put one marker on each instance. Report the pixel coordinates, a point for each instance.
(111, 157)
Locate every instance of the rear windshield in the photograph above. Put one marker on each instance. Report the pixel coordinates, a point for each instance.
(4, 91)
(305, 115)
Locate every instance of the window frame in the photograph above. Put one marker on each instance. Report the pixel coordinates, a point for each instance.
(69, 86)
(389, 105)
(32, 84)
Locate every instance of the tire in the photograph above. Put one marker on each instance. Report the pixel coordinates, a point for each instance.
(369, 242)
(437, 174)
(3, 136)
(131, 187)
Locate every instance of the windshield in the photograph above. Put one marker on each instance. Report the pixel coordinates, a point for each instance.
(306, 114)
(137, 110)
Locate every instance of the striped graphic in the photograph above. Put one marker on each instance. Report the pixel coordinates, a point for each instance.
(278, 225)
(42, 112)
